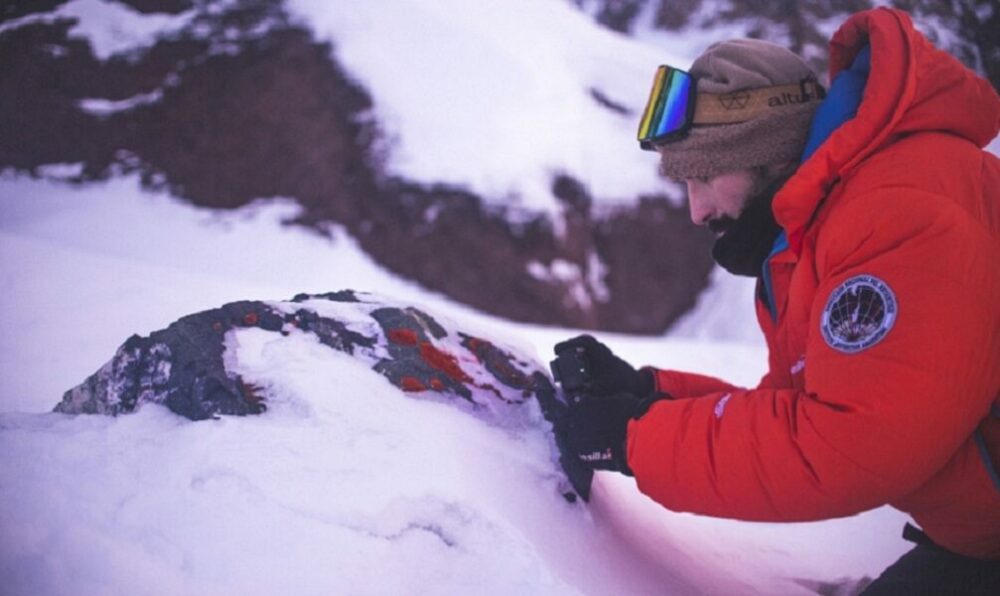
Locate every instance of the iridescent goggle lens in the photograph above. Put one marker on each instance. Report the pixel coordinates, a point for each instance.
(670, 108)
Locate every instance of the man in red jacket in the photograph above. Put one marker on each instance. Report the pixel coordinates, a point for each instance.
(870, 216)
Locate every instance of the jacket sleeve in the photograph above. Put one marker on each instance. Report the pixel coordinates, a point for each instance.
(870, 426)
(682, 385)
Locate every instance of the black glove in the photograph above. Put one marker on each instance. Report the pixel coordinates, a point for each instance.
(594, 429)
(606, 373)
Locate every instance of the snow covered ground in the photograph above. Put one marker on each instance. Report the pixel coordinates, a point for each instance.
(514, 103)
(345, 485)
(110, 27)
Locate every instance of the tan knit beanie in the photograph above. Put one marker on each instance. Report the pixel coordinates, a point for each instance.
(775, 136)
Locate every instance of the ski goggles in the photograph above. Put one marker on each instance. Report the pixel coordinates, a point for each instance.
(669, 111)
(674, 105)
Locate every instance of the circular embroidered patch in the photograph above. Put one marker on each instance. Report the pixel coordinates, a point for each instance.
(859, 314)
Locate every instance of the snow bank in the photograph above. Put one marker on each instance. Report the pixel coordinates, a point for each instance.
(88, 267)
(499, 96)
(110, 27)
(345, 484)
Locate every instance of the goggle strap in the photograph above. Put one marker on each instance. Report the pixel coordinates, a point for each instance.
(740, 106)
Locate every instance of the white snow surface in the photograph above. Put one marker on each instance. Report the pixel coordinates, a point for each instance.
(110, 27)
(345, 485)
(105, 107)
(722, 311)
(495, 95)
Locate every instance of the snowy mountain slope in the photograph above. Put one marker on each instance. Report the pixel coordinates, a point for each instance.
(513, 83)
(490, 98)
(345, 483)
(117, 247)
(501, 127)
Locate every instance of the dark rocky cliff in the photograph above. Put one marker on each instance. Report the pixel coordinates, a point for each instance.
(247, 105)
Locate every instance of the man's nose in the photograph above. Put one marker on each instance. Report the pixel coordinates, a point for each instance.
(698, 204)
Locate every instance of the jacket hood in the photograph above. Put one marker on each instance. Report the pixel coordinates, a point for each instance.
(912, 87)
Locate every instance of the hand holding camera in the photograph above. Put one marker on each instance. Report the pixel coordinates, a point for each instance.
(603, 393)
(585, 367)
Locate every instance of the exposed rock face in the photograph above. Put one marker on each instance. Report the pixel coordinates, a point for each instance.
(242, 104)
(968, 29)
(185, 368)
(181, 367)
(192, 367)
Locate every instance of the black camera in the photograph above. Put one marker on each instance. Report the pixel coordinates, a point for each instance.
(571, 370)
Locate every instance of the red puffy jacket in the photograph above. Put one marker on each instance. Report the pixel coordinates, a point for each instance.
(893, 223)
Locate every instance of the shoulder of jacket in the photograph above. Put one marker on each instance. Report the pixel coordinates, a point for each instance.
(881, 211)
(935, 166)
(918, 159)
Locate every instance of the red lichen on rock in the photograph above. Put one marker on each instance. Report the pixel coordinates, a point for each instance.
(412, 384)
(406, 337)
(443, 362)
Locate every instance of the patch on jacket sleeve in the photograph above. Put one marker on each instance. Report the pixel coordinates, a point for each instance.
(859, 314)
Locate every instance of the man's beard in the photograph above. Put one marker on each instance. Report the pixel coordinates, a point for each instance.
(747, 240)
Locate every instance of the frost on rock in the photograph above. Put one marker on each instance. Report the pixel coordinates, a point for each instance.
(188, 368)
(138, 372)
(180, 367)
(423, 354)
(183, 366)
